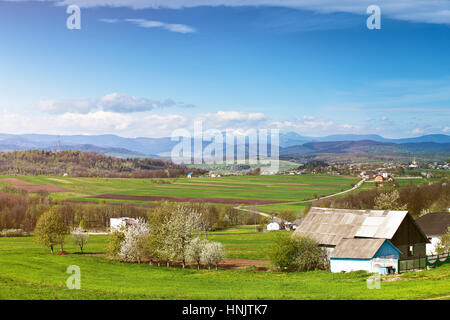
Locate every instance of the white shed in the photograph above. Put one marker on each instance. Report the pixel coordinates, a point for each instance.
(118, 224)
(273, 226)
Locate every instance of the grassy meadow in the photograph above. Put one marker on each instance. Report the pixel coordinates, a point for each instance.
(28, 271)
(288, 189)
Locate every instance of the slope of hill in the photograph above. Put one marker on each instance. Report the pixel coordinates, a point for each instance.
(85, 164)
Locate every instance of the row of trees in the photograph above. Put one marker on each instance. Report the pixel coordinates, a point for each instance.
(19, 210)
(169, 236)
(434, 197)
(22, 211)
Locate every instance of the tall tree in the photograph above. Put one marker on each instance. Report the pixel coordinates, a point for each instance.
(51, 230)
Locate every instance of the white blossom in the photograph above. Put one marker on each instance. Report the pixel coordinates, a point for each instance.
(130, 250)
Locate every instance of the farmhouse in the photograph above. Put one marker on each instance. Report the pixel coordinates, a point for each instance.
(330, 226)
(434, 225)
(378, 178)
(373, 255)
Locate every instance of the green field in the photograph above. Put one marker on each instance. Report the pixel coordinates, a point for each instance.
(30, 272)
(281, 188)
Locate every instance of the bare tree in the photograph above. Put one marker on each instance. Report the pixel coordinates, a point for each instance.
(80, 238)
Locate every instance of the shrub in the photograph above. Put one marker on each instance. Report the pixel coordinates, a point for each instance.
(114, 244)
(287, 215)
(13, 233)
(444, 244)
(297, 253)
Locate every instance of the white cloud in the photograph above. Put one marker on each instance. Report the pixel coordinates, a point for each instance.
(113, 102)
(418, 131)
(428, 11)
(107, 20)
(446, 129)
(180, 28)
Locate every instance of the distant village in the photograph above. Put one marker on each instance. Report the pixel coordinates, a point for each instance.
(377, 172)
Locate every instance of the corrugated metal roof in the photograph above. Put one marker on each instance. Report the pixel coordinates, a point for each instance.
(357, 248)
(328, 226)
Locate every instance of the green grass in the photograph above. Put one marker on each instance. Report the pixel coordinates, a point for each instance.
(30, 272)
(252, 246)
(278, 187)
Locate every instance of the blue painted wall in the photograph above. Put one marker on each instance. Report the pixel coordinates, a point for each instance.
(387, 249)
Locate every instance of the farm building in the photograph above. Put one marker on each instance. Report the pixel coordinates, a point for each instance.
(372, 255)
(434, 225)
(117, 224)
(273, 226)
(330, 226)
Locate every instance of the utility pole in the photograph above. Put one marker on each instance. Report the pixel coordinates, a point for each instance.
(58, 147)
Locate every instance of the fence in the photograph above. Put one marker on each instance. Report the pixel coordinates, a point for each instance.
(423, 262)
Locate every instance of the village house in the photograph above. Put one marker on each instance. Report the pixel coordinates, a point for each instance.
(329, 226)
(378, 178)
(434, 225)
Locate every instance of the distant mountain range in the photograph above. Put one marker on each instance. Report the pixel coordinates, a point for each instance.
(367, 147)
(292, 139)
(290, 143)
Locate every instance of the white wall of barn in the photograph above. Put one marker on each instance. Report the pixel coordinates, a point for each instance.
(369, 265)
(348, 265)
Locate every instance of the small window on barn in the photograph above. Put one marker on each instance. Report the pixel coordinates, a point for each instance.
(411, 251)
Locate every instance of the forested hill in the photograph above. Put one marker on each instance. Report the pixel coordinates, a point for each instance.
(85, 164)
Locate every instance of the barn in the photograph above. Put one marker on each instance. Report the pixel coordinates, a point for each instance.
(329, 226)
(371, 255)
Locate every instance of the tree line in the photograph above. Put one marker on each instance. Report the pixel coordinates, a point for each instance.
(19, 210)
(433, 197)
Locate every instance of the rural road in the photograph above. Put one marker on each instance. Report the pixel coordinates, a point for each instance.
(356, 186)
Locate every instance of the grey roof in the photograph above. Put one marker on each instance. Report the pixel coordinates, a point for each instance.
(357, 248)
(434, 223)
(328, 226)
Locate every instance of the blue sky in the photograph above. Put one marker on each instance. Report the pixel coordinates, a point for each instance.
(148, 67)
